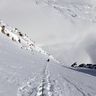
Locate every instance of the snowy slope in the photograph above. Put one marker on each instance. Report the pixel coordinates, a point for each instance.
(24, 70)
(17, 66)
(23, 40)
(27, 73)
(19, 62)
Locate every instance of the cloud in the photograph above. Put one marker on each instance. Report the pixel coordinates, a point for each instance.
(90, 44)
(3, 4)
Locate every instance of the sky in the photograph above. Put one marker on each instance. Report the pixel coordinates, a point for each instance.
(47, 26)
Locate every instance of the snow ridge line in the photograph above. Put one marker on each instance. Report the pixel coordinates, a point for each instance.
(23, 40)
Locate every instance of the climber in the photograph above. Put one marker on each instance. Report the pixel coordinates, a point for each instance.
(19, 41)
(48, 60)
(20, 34)
(8, 34)
(3, 29)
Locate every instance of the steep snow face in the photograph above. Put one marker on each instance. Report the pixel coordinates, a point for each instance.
(23, 41)
(26, 73)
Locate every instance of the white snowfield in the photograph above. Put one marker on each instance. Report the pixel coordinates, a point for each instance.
(26, 71)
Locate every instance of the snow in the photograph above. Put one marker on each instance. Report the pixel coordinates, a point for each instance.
(27, 73)
(26, 69)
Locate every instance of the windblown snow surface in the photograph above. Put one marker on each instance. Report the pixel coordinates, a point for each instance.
(24, 67)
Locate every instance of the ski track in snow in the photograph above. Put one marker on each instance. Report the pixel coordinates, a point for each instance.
(71, 89)
(43, 87)
(47, 86)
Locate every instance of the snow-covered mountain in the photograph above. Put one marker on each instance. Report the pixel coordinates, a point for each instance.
(66, 29)
(23, 40)
(26, 71)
